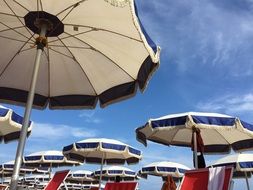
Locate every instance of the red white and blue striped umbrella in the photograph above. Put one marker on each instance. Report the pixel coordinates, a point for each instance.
(242, 163)
(10, 125)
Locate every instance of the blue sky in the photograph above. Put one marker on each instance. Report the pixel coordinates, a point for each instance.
(206, 65)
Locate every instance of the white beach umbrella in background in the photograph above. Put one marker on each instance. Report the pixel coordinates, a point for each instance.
(242, 163)
(10, 125)
(82, 177)
(220, 133)
(50, 158)
(85, 51)
(111, 172)
(102, 151)
(163, 169)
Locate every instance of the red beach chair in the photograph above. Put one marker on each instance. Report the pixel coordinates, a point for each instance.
(198, 179)
(121, 186)
(56, 181)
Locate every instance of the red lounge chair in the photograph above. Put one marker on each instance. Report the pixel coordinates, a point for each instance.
(56, 181)
(120, 186)
(94, 188)
(198, 179)
(3, 187)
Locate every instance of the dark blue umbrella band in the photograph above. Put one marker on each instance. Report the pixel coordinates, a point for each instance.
(134, 151)
(32, 158)
(14, 117)
(87, 145)
(148, 169)
(166, 169)
(222, 121)
(113, 146)
(115, 171)
(247, 125)
(246, 165)
(130, 173)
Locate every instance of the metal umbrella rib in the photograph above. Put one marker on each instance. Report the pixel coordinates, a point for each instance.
(43, 20)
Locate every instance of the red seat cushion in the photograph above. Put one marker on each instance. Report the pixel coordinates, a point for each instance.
(56, 181)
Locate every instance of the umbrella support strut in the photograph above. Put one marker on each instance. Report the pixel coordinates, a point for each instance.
(195, 150)
(23, 134)
(247, 180)
(101, 170)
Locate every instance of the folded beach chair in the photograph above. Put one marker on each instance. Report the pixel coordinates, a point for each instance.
(200, 179)
(3, 187)
(56, 181)
(121, 186)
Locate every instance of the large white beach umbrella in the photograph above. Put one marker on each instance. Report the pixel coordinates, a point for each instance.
(50, 158)
(71, 54)
(163, 169)
(111, 172)
(242, 163)
(10, 125)
(102, 151)
(220, 133)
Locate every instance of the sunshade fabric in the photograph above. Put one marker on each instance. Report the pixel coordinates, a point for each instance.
(81, 176)
(102, 54)
(241, 162)
(94, 150)
(50, 158)
(163, 169)
(109, 173)
(10, 125)
(8, 167)
(219, 132)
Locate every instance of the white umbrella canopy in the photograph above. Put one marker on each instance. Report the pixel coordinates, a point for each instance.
(50, 158)
(87, 51)
(220, 133)
(10, 125)
(242, 163)
(163, 169)
(82, 177)
(110, 173)
(102, 151)
(94, 51)
(97, 150)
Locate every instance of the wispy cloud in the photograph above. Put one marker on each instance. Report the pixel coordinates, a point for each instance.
(232, 104)
(90, 117)
(59, 131)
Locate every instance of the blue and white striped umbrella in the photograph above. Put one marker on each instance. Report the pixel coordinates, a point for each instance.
(110, 173)
(242, 163)
(220, 133)
(81, 176)
(104, 150)
(163, 169)
(51, 158)
(10, 125)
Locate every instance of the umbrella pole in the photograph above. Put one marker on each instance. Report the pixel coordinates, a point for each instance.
(195, 150)
(247, 180)
(25, 124)
(101, 170)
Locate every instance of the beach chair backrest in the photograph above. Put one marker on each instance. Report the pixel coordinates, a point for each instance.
(56, 181)
(121, 186)
(198, 179)
(3, 187)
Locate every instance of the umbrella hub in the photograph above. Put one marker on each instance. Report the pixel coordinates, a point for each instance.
(35, 20)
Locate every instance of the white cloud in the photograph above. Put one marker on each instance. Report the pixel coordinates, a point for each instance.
(232, 104)
(59, 131)
(90, 117)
